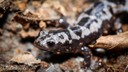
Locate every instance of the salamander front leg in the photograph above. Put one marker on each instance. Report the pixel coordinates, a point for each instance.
(87, 56)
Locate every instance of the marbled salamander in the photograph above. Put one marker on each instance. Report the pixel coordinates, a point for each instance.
(88, 27)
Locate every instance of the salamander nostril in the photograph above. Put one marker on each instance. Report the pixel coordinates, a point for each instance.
(50, 43)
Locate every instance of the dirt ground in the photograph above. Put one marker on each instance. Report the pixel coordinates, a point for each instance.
(20, 24)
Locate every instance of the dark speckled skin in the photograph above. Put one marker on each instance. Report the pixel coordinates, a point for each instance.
(73, 40)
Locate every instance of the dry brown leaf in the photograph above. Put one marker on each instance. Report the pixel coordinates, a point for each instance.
(31, 33)
(26, 58)
(43, 12)
(119, 41)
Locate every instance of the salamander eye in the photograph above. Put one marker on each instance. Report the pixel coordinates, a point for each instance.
(51, 43)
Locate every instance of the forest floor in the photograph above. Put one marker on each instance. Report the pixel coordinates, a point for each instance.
(22, 20)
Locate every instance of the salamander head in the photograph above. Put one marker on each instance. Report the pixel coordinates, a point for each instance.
(50, 41)
(45, 41)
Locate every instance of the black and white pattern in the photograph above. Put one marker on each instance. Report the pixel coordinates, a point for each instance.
(88, 27)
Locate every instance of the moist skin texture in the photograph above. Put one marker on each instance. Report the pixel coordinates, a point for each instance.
(89, 26)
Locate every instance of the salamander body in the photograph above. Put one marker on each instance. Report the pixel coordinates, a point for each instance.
(89, 26)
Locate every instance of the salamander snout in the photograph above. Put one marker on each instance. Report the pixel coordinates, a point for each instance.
(45, 43)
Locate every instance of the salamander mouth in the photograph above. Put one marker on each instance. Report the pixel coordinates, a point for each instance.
(37, 44)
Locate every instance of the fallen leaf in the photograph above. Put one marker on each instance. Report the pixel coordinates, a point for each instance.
(118, 42)
(26, 58)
